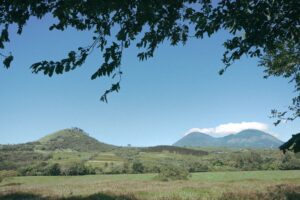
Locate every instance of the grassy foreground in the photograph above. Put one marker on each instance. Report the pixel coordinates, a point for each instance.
(208, 185)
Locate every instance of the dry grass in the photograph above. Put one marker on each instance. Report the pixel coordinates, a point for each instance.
(202, 186)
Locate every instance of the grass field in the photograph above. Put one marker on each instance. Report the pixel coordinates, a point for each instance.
(208, 185)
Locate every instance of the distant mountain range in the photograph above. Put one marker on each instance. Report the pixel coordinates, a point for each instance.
(75, 139)
(245, 139)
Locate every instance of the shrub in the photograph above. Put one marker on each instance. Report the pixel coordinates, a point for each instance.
(290, 162)
(7, 165)
(116, 170)
(34, 169)
(28, 171)
(77, 169)
(53, 170)
(171, 173)
(197, 167)
(137, 167)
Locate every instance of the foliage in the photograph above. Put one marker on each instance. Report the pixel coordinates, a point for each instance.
(137, 167)
(34, 169)
(14, 159)
(248, 161)
(140, 160)
(19, 147)
(257, 28)
(290, 162)
(284, 60)
(292, 144)
(174, 149)
(268, 30)
(53, 170)
(76, 168)
(197, 167)
(172, 172)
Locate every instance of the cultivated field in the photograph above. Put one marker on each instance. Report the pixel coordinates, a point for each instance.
(206, 185)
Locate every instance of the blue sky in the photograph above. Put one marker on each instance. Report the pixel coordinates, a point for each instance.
(160, 99)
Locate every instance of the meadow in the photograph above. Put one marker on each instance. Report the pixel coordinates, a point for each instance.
(204, 185)
(70, 165)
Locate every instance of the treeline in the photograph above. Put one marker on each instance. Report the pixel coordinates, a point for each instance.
(174, 149)
(55, 169)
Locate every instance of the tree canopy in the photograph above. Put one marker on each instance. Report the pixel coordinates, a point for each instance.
(292, 144)
(268, 30)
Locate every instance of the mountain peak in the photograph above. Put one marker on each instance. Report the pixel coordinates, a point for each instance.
(73, 139)
(249, 138)
(252, 132)
(194, 138)
(198, 133)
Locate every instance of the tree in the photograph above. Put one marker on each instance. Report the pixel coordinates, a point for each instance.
(53, 170)
(292, 144)
(137, 167)
(268, 30)
(172, 172)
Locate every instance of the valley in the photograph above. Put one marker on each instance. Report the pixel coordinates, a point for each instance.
(69, 164)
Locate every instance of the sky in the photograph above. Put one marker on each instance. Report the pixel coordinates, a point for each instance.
(161, 99)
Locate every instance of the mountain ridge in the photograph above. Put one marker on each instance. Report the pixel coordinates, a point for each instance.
(249, 138)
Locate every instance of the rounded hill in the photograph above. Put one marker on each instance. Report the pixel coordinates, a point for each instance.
(73, 139)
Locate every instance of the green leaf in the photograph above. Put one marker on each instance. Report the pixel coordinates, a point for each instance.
(7, 61)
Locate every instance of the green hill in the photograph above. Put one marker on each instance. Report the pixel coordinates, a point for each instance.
(72, 139)
(245, 139)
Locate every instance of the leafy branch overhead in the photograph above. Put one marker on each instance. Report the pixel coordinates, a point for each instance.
(292, 144)
(268, 30)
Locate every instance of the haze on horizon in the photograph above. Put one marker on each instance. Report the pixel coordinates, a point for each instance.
(160, 99)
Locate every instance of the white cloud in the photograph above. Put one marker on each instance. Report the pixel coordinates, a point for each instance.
(230, 128)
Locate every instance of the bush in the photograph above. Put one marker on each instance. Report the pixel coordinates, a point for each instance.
(77, 169)
(53, 170)
(197, 167)
(35, 169)
(171, 173)
(137, 167)
(116, 170)
(290, 162)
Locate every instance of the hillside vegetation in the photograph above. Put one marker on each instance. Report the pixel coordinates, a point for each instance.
(72, 139)
(74, 152)
(174, 149)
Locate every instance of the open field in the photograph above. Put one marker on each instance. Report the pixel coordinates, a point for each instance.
(208, 185)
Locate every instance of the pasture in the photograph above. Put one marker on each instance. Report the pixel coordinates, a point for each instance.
(206, 185)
